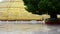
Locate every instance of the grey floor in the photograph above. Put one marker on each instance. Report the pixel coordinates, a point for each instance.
(53, 30)
(29, 28)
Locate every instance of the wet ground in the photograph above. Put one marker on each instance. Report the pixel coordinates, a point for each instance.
(29, 29)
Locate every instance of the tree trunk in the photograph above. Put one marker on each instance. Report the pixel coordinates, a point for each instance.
(53, 14)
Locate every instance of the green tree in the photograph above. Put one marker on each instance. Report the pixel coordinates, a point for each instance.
(52, 7)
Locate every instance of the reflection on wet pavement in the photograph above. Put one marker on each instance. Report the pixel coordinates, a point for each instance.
(29, 29)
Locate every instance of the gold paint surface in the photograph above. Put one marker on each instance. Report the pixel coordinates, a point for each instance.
(14, 10)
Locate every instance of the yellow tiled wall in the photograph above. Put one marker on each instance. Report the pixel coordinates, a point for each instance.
(14, 9)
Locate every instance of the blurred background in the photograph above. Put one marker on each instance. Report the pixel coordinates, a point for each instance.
(15, 10)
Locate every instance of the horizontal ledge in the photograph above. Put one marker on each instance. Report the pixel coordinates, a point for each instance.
(21, 20)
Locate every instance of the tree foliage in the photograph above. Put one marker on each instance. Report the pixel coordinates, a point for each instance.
(42, 6)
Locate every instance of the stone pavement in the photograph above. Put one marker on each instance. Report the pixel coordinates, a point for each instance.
(29, 29)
